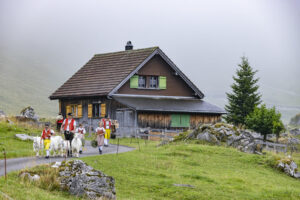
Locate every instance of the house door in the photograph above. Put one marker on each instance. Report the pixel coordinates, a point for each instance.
(126, 119)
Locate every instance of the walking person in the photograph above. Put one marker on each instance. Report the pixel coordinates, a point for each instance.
(69, 127)
(46, 135)
(107, 126)
(59, 121)
(100, 131)
(81, 131)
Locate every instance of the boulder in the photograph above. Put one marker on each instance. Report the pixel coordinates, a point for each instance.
(289, 167)
(295, 121)
(206, 136)
(24, 137)
(26, 175)
(82, 180)
(56, 165)
(2, 115)
(295, 131)
(29, 113)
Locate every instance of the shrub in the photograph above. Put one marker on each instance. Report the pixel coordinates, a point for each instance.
(265, 121)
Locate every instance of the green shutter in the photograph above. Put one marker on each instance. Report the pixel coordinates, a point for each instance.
(134, 81)
(175, 120)
(162, 82)
(185, 120)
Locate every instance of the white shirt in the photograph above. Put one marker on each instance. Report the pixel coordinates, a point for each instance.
(69, 122)
(80, 129)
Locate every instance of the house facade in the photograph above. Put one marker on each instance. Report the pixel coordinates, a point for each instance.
(139, 88)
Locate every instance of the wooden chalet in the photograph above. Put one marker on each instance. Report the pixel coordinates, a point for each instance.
(139, 88)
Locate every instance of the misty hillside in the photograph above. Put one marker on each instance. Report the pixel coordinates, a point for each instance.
(28, 79)
(26, 82)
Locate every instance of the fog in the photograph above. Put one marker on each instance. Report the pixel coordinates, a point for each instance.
(205, 39)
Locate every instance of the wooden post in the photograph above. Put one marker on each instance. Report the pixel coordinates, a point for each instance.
(5, 164)
(118, 146)
(139, 144)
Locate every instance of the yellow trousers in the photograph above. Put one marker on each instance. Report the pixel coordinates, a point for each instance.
(47, 144)
(107, 134)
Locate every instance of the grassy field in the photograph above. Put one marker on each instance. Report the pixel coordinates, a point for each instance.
(19, 190)
(15, 147)
(151, 172)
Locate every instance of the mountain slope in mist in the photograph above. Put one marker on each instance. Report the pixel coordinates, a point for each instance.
(26, 82)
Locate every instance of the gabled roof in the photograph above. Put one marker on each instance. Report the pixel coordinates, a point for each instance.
(105, 73)
(169, 105)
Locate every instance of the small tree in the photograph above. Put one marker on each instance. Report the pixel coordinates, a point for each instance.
(244, 97)
(265, 121)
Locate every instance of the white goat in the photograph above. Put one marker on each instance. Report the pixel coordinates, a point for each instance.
(38, 145)
(56, 145)
(76, 144)
(66, 147)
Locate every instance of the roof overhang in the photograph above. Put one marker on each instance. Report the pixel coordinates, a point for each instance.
(164, 104)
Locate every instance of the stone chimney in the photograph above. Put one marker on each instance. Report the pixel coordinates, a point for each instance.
(128, 46)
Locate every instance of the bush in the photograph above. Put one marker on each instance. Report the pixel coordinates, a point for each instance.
(265, 121)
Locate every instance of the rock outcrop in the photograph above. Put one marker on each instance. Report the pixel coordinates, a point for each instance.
(2, 115)
(289, 167)
(30, 177)
(244, 140)
(29, 113)
(82, 180)
(295, 131)
(24, 137)
(295, 121)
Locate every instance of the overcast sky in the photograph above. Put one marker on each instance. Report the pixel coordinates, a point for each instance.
(204, 38)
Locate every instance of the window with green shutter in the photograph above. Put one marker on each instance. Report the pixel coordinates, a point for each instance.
(185, 120)
(180, 120)
(175, 120)
(134, 81)
(162, 82)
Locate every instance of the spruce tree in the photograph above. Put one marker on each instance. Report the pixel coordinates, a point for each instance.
(244, 97)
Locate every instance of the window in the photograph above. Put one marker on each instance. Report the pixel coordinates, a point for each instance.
(75, 109)
(96, 110)
(153, 82)
(142, 82)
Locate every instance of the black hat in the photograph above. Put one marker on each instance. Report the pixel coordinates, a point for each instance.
(47, 124)
(69, 114)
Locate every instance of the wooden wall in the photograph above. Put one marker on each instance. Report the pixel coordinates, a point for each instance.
(154, 120)
(158, 67)
(204, 119)
(163, 120)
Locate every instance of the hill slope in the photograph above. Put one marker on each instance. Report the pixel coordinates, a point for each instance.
(26, 82)
(214, 172)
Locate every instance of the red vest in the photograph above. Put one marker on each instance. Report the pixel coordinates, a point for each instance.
(71, 128)
(80, 131)
(46, 135)
(60, 121)
(104, 123)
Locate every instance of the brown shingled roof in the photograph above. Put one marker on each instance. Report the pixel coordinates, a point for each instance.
(102, 73)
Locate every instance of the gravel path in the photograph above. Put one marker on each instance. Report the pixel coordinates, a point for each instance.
(27, 162)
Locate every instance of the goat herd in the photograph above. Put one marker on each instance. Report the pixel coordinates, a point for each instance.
(58, 145)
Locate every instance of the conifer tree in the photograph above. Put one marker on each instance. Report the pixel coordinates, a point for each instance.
(244, 97)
